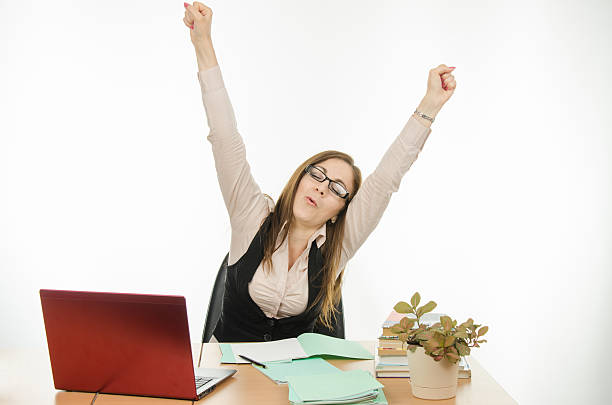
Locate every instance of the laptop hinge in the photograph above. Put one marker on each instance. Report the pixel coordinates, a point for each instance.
(201, 350)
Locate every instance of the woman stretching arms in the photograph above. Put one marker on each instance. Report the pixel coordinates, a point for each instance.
(287, 258)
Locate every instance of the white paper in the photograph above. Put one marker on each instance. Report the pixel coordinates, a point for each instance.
(285, 349)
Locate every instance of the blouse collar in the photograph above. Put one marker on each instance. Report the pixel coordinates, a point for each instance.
(320, 235)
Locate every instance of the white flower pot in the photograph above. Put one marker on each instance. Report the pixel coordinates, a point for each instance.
(432, 379)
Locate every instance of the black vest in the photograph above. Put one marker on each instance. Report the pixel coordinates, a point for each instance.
(241, 318)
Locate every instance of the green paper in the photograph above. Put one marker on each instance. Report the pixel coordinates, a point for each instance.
(332, 386)
(227, 355)
(379, 400)
(279, 371)
(315, 344)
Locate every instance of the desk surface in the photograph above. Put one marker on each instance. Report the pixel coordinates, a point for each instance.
(19, 369)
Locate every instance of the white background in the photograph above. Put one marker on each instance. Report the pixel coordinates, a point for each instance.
(107, 182)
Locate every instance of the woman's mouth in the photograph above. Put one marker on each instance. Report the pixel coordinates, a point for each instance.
(311, 201)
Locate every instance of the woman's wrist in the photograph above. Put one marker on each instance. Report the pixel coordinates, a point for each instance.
(428, 107)
(205, 54)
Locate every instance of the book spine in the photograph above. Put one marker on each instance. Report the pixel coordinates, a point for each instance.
(392, 352)
(406, 374)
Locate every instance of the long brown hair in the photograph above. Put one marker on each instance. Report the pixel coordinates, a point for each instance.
(330, 293)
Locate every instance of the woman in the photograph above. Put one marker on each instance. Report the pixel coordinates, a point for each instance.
(286, 259)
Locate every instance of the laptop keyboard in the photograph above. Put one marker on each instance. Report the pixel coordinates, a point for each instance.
(201, 381)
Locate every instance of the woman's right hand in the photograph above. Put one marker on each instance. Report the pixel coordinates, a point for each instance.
(198, 17)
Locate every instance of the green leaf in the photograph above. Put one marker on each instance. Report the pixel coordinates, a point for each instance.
(407, 323)
(425, 335)
(462, 349)
(430, 306)
(438, 352)
(412, 348)
(453, 358)
(482, 330)
(447, 323)
(440, 338)
(397, 329)
(431, 345)
(461, 335)
(403, 308)
(415, 300)
(449, 341)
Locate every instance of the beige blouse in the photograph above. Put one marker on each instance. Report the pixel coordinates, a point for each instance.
(281, 293)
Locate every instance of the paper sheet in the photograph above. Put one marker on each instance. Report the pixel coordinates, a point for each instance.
(285, 349)
(306, 345)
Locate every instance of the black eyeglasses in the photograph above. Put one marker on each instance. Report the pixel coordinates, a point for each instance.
(336, 188)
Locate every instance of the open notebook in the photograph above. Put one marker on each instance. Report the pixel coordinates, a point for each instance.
(305, 345)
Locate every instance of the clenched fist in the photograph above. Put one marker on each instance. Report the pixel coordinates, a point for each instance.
(440, 84)
(198, 17)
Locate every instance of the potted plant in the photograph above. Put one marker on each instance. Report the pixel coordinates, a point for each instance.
(434, 350)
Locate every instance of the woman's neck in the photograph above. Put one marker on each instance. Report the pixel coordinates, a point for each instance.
(299, 235)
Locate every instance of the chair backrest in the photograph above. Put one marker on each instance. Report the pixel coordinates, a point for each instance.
(216, 302)
(216, 305)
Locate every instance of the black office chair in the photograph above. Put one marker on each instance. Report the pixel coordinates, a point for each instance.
(216, 304)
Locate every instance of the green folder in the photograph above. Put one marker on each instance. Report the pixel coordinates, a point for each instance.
(279, 371)
(227, 355)
(316, 344)
(343, 387)
(380, 399)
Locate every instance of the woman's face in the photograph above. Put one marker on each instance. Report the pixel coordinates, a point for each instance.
(326, 204)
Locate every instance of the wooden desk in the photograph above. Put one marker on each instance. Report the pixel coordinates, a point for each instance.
(249, 386)
(20, 369)
(25, 378)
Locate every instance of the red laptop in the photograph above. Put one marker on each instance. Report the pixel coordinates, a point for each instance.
(131, 344)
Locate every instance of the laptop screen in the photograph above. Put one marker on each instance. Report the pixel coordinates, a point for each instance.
(119, 343)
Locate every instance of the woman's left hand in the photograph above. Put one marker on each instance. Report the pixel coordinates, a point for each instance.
(440, 87)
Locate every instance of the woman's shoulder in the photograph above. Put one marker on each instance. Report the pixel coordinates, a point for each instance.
(244, 231)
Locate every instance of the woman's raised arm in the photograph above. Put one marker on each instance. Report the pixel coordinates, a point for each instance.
(369, 204)
(243, 198)
(198, 18)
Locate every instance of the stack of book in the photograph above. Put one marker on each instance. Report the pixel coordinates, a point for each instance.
(397, 366)
(392, 352)
(392, 358)
(388, 343)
